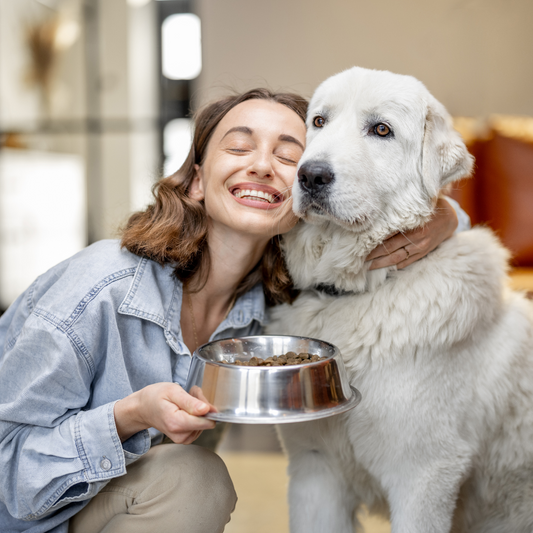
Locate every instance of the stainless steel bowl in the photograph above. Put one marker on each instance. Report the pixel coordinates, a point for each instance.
(271, 395)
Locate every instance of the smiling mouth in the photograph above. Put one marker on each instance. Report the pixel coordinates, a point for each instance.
(257, 195)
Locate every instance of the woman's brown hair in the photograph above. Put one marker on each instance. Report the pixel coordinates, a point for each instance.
(173, 230)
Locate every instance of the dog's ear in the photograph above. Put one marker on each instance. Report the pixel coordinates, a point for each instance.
(444, 154)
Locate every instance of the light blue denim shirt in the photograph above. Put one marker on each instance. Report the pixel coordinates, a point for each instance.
(463, 220)
(90, 331)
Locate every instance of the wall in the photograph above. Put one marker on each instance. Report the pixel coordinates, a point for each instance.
(105, 100)
(474, 55)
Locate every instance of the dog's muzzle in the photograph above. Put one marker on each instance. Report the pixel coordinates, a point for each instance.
(314, 176)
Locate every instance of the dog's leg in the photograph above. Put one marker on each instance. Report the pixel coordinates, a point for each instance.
(319, 497)
(423, 500)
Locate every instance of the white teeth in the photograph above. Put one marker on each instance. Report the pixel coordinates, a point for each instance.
(256, 195)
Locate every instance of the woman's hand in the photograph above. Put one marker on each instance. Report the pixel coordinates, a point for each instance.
(403, 249)
(166, 407)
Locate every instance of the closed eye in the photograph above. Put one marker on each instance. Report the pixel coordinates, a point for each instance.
(287, 160)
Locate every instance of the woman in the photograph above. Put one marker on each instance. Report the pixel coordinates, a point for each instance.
(95, 352)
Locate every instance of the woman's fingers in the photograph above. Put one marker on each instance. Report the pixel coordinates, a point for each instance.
(186, 414)
(401, 250)
(415, 246)
(408, 261)
(178, 421)
(394, 258)
(186, 401)
(198, 393)
(184, 428)
(388, 246)
(166, 407)
(191, 438)
(174, 412)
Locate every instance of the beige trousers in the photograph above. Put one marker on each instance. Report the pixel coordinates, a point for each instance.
(173, 488)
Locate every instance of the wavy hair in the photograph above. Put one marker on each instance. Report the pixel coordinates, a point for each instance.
(173, 230)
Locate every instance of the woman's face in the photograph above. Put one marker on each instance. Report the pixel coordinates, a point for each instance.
(249, 168)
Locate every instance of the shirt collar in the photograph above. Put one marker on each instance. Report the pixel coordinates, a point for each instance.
(250, 306)
(156, 295)
(152, 294)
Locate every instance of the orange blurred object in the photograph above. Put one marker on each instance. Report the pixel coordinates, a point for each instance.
(500, 193)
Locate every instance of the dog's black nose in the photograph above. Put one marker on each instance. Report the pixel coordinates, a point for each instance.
(313, 175)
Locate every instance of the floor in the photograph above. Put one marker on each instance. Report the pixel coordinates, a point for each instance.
(262, 507)
(522, 280)
(258, 468)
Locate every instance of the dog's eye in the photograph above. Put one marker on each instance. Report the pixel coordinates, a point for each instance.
(319, 122)
(382, 130)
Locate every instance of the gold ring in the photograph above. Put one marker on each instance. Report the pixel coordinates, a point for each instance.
(408, 254)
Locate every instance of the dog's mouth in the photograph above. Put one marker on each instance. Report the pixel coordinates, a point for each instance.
(315, 213)
(318, 210)
(312, 211)
(308, 205)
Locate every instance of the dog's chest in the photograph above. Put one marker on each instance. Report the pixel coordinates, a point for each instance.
(400, 381)
(367, 329)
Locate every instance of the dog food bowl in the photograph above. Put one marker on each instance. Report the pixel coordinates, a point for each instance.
(275, 394)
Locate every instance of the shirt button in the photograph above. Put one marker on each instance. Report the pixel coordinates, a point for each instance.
(105, 464)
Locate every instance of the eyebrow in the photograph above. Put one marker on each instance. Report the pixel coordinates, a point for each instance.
(249, 131)
(241, 129)
(291, 139)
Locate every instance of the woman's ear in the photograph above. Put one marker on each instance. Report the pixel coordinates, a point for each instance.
(196, 189)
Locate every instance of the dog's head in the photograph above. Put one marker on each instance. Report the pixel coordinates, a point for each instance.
(379, 149)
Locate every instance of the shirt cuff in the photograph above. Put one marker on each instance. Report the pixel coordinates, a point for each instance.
(463, 220)
(103, 455)
(99, 447)
(136, 446)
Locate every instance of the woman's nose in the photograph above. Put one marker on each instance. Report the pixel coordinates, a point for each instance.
(262, 166)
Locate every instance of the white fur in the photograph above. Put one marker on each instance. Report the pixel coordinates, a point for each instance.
(441, 351)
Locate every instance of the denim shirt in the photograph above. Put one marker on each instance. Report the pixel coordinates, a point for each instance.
(463, 220)
(88, 332)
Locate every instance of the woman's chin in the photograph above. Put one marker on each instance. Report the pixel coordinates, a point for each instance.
(261, 224)
(266, 229)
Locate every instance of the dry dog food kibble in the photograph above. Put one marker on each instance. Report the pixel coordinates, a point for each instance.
(289, 358)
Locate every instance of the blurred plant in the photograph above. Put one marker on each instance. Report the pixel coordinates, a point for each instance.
(41, 39)
(46, 40)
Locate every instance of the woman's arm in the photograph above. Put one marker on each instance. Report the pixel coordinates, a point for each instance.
(53, 451)
(403, 249)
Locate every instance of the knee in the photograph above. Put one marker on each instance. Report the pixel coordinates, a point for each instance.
(195, 471)
(207, 471)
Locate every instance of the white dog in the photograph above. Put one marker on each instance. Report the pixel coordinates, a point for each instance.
(441, 351)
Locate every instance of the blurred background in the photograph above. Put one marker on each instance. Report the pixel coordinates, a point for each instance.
(96, 95)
